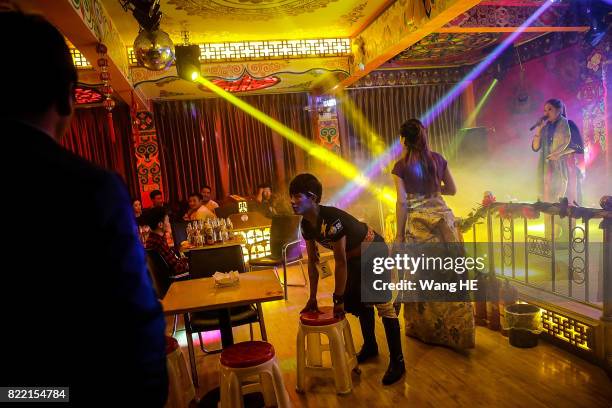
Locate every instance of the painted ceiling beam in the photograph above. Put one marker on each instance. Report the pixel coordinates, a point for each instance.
(519, 3)
(578, 29)
(396, 29)
(85, 24)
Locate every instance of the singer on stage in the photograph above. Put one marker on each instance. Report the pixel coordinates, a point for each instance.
(552, 140)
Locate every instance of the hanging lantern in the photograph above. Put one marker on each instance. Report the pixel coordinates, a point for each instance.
(109, 104)
(106, 88)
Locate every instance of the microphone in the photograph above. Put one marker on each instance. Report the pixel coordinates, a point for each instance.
(542, 119)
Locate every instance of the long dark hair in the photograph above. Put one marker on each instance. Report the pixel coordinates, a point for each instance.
(415, 139)
(557, 104)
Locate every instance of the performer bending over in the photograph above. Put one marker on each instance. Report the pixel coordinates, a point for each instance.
(344, 234)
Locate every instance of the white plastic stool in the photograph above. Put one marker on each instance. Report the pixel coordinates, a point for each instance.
(253, 361)
(180, 387)
(340, 347)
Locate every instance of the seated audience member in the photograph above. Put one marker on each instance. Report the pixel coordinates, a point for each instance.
(197, 211)
(207, 199)
(158, 202)
(122, 360)
(157, 218)
(137, 206)
(157, 198)
(265, 205)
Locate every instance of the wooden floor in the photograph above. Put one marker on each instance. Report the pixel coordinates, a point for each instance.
(494, 374)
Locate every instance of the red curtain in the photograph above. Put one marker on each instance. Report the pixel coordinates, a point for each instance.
(211, 141)
(386, 108)
(89, 137)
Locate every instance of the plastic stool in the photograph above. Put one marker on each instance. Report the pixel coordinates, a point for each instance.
(180, 387)
(340, 347)
(251, 360)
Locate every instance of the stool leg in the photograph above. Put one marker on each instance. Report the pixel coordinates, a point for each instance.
(267, 388)
(285, 278)
(282, 398)
(342, 375)
(313, 349)
(348, 340)
(231, 393)
(301, 360)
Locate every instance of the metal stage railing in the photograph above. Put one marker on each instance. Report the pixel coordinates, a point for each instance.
(558, 255)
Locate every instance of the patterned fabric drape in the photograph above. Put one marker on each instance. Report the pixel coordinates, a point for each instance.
(89, 137)
(386, 108)
(211, 141)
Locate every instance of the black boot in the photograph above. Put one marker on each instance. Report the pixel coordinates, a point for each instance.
(396, 358)
(369, 348)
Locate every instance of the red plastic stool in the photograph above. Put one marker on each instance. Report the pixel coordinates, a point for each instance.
(323, 317)
(246, 360)
(340, 347)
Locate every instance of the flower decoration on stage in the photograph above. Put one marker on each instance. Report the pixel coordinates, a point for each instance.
(504, 212)
(488, 199)
(106, 89)
(154, 50)
(530, 213)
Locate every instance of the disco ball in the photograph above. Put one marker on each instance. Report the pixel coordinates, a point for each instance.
(154, 50)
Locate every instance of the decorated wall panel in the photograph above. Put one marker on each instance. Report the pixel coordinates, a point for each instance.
(146, 150)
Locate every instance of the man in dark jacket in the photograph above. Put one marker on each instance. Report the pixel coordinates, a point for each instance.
(77, 306)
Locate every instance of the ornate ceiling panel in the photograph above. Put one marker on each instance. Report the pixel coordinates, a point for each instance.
(466, 48)
(448, 49)
(252, 20)
(502, 14)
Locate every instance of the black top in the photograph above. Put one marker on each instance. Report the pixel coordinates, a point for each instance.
(77, 285)
(332, 225)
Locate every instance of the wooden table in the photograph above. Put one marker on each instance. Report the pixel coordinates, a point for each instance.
(201, 294)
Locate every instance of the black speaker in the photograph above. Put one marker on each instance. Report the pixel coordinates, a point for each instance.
(187, 61)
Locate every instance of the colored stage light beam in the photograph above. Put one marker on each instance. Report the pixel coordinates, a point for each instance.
(482, 65)
(320, 153)
(351, 191)
(361, 125)
(472, 118)
(469, 122)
